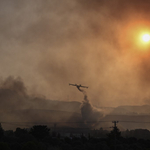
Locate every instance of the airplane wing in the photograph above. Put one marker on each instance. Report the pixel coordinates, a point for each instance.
(73, 84)
(84, 86)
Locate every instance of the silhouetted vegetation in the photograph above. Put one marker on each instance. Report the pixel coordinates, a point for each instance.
(40, 137)
(1, 132)
(40, 132)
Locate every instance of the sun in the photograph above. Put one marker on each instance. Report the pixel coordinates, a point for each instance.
(134, 37)
(146, 38)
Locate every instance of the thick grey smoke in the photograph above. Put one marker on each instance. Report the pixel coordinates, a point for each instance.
(16, 105)
(98, 52)
(89, 113)
(53, 43)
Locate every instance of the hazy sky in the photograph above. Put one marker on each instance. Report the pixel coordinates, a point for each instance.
(52, 43)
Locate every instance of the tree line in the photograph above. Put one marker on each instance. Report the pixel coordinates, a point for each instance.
(40, 137)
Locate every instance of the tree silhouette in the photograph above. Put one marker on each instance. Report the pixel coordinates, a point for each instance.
(40, 131)
(30, 146)
(115, 133)
(4, 146)
(20, 132)
(1, 132)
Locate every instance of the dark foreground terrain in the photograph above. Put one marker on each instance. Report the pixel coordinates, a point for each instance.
(40, 137)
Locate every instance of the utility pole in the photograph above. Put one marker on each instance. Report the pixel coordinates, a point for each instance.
(115, 130)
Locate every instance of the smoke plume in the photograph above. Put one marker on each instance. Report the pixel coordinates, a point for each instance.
(16, 105)
(89, 113)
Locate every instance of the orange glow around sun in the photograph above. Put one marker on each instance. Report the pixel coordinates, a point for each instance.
(135, 37)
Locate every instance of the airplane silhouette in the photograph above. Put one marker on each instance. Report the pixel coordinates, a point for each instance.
(78, 86)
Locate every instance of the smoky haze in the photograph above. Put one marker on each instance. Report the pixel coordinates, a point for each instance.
(17, 108)
(52, 43)
(88, 112)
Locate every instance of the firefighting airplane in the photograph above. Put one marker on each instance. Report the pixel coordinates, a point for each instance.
(78, 86)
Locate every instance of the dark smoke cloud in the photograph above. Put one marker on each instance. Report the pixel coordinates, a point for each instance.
(90, 113)
(13, 94)
(16, 105)
(116, 6)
